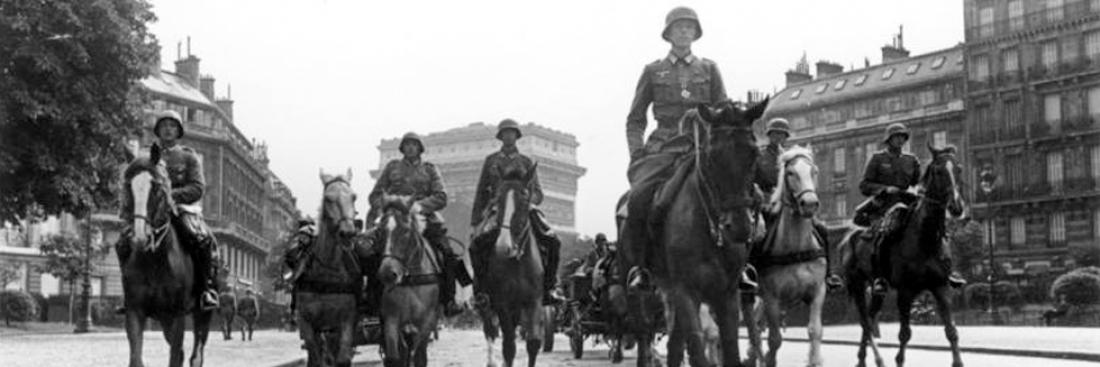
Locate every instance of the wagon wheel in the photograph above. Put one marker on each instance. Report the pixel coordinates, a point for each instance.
(576, 332)
(549, 327)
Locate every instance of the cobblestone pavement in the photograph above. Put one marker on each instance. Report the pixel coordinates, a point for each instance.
(1063, 339)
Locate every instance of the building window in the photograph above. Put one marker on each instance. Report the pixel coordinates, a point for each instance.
(1017, 231)
(822, 87)
(981, 68)
(861, 79)
(842, 205)
(1054, 169)
(1052, 108)
(1013, 118)
(1096, 224)
(913, 68)
(938, 62)
(1092, 45)
(1054, 10)
(1049, 57)
(838, 160)
(1058, 228)
(939, 139)
(1069, 49)
(1095, 153)
(871, 149)
(1010, 60)
(985, 22)
(888, 73)
(1015, 15)
(929, 97)
(796, 93)
(989, 228)
(840, 84)
(1094, 5)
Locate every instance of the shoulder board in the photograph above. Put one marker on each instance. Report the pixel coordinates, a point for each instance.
(185, 148)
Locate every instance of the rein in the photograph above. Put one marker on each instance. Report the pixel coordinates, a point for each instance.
(789, 201)
(705, 190)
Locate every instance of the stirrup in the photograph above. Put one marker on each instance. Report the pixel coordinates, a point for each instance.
(880, 286)
(833, 281)
(637, 278)
(747, 284)
(955, 281)
(208, 301)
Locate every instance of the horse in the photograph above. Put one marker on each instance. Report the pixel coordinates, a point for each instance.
(410, 272)
(515, 274)
(700, 234)
(915, 253)
(158, 275)
(644, 315)
(326, 291)
(791, 260)
(227, 310)
(249, 310)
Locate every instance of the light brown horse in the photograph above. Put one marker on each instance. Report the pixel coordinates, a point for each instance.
(791, 262)
(326, 290)
(410, 272)
(158, 275)
(701, 245)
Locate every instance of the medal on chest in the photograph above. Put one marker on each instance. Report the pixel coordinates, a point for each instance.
(684, 92)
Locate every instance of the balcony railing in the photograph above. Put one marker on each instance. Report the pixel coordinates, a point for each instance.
(1041, 17)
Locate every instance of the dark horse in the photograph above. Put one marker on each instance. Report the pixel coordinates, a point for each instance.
(326, 289)
(916, 258)
(158, 275)
(515, 273)
(701, 234)
(410, 272)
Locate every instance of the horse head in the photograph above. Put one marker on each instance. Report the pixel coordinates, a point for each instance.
(148, 204)
(726, 151)
(941, 180)
(514, 202)
(797, 185)
(400, 229)
(338, 206)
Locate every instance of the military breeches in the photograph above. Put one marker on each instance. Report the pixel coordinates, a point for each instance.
(200, 242)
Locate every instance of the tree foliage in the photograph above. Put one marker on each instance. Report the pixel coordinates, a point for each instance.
(9, 272)
(65, 256)
(1080, 287)
(17, 306)
(69, 72)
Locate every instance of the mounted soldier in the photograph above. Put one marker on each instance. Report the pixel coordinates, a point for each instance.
(889, 175)
(778, 130)
(673, 85)
(296, 256)
(411, 176)
(188, 186)
(508, 160)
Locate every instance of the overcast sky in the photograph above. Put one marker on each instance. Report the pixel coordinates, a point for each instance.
(322, 82)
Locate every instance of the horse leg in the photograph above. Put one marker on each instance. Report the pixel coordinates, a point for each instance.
(688, 327)
(814, 328)
(775, 336)
(344, 337)
(420, 359)
(943, 307)
(173, 333)
(508, 337)
(857, 292)
(490, 330)
(905, 305)
(200, 329)
(750, 307)
(135, 332)
(532, 326)
(674, 354)
(392, 343)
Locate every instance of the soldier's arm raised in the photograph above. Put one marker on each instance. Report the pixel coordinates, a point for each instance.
(636, 119)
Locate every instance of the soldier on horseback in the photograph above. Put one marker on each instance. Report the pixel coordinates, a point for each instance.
(778, 130)
(509, 159)
(673, 85)
(411, 175)
(296, 255)
(188, 184)
(886, 179)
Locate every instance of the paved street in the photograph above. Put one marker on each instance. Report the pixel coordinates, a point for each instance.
(466, 348)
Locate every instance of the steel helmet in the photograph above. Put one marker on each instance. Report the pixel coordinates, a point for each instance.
(167, 116)
(896, 129)
(414, 137)
(778, 125)
(507, 124)
(678, 13)
(600, 237)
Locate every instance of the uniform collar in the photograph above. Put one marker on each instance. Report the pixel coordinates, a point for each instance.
(509, 150)
(688, 59)
(412, 161)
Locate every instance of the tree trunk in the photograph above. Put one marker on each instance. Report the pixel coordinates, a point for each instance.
(72, 298)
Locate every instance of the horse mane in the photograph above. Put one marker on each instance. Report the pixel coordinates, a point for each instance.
(787, 156)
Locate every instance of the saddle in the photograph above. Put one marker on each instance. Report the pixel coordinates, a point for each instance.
(657, 194)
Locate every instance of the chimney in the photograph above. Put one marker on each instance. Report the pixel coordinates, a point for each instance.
(188, 69)
(798, 77)
(891, 53)
(826, 68)
(206, 86)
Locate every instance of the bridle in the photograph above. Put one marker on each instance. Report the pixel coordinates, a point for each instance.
(338, 179)
(792, 198)
(706, 188)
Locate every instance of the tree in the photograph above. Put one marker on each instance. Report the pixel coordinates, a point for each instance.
(69, 72)
(1086, 255)
(966, 245)
(9, 272)
(1080, 287)
(66, 258)
(273, 266)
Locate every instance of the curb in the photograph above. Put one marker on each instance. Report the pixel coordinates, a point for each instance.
(292, 363)
(1081, 356)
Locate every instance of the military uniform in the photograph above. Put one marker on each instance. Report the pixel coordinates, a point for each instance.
(507, 163)
(185, 173)
(414, 177)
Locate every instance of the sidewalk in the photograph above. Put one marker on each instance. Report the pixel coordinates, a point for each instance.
(1047, 342)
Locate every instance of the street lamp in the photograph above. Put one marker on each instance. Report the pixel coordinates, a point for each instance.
(988, 180)
(84, 321)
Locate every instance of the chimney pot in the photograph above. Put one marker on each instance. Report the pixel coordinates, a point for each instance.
(797, 77)
(827, 68)
(188, 69)
(893, 53)
(206, 86)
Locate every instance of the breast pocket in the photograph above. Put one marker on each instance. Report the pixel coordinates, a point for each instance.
(700, 87)
(665, 88)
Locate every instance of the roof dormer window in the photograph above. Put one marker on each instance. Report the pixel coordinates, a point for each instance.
(796, 93)
(840, 84)
(822, 88)
(938, 62)
(861, 79)
(913, 69)
(888, 73)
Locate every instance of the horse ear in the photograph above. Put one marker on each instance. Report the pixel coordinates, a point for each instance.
(705, 112)
(348, 176)
(932, 149)
(154, 154)
(757, 110)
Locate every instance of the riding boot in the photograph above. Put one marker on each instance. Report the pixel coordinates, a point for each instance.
(447, 293)
(207, 256)
(832, 280)
(552, 252)
(479, 260)
(954, 279)
(635, 251)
